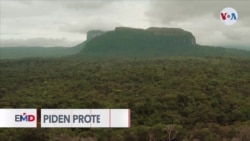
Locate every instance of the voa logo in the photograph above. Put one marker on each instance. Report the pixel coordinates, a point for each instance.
(228, 16)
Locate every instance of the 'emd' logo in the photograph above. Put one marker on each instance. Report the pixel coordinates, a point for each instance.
(24, 118)
(228, 16)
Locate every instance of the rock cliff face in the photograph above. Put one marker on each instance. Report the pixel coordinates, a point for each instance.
(94, 33)
(154, 40)
(173, 36)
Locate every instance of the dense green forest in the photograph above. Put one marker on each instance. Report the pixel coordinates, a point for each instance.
(171, 99)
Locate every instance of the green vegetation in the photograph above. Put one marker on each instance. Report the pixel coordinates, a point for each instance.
(176, 90)
(171, 99)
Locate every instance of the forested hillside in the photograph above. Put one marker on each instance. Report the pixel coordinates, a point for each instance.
(171, 99)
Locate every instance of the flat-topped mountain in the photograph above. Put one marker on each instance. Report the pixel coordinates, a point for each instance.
(139, 42)
(151, 42)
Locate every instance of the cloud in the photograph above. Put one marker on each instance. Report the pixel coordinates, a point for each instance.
(71, 19)
(95, 24)
(202, 19)
(181, 10)
(34, 8)
(85, 4)
(24, 9)
(67, 19)
(37, 42)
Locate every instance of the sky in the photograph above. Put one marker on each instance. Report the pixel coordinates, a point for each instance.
(50, 23)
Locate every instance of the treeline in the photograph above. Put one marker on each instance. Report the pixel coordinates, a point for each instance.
(171, 99)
